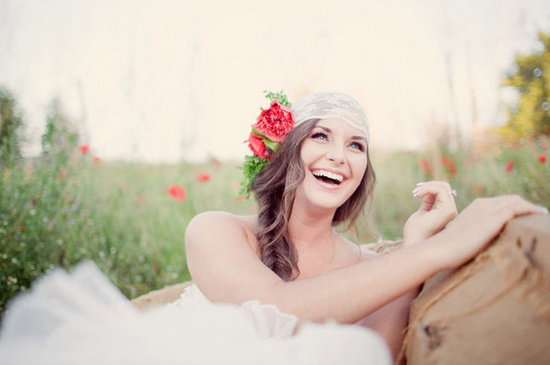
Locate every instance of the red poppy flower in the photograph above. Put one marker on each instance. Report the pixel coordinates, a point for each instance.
(275, 122)
(257, 146)
(96, 160)
(202, 176)
(84, 148)
(542, 158)
(177, 192)
(425, 166)
(449, 165)
(509, 166)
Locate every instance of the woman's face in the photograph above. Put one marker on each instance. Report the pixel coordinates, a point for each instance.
(335, 160)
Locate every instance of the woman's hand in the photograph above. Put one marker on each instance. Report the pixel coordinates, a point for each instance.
(477, 225)
(436, 210)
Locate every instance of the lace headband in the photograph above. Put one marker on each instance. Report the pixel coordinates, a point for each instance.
(328, 105)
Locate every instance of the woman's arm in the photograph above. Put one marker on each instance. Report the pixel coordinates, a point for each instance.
(226, 268)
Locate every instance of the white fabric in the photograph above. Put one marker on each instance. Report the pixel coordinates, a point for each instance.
(328, 105)
(81, 318)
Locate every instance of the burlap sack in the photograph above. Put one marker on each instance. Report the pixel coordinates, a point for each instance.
(166, 295)
(494, 310)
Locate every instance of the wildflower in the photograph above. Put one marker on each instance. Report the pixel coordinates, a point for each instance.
(202, 176)
(84, 148)
(542, 158)
(425, 166)
(449, 165)
(177, 192)
(96, 160)
(509, 166)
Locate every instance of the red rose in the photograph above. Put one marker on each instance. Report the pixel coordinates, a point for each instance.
(542, 158)
(202, 176)
(257, 146)
(275, 122)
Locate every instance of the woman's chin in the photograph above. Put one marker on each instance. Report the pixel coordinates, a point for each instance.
(326, 200)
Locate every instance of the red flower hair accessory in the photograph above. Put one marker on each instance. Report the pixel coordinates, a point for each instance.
(270, 129)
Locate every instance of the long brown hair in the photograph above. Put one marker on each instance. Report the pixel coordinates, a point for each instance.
(275, 190)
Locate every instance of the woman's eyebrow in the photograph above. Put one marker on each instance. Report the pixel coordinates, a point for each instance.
(328, 130)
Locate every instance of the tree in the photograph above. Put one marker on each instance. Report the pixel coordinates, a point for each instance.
(60, 137)
(11, 125)
(530, 77)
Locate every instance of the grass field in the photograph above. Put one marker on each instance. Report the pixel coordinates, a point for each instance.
(130, 218)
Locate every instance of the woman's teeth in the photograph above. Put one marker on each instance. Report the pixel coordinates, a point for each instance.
(328, 176)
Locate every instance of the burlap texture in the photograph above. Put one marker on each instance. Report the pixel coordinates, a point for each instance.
(493, 310)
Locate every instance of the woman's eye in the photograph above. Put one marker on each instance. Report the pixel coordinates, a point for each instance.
(357, 146)
(320, 135)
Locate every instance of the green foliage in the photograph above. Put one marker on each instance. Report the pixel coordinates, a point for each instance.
(279, 96)
(11, 125)
(59, 211)
(251, 167)
(60, 137)
(530, 118)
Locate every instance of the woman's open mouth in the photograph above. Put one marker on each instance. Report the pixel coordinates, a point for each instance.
(328, 177)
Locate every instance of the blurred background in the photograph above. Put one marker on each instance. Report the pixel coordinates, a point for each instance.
(121, 120)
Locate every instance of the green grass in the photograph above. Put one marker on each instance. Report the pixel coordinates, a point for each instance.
(57, 212)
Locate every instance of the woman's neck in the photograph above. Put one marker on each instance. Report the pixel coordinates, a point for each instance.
(310, 229)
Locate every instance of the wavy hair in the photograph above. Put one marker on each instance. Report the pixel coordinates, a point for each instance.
(275, 190)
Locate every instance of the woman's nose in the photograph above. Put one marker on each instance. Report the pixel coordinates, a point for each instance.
(336, 155)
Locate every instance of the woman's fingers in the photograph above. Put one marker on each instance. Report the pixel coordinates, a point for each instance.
(436, 210)
(438, 194)
(481, 221)
(506, 207)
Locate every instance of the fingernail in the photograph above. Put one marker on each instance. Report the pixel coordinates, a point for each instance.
(420, 184)
(415, 191)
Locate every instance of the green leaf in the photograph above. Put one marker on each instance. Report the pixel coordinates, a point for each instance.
(273, 146)
(257, 132)
(279, 96)
(251, 168)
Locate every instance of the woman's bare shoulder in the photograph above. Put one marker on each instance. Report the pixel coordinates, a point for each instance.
(206, 218)
(218, 224)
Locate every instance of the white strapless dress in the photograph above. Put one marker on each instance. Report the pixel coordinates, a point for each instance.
(81, 318)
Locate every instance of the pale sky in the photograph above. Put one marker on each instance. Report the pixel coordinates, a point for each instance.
(171, 80)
